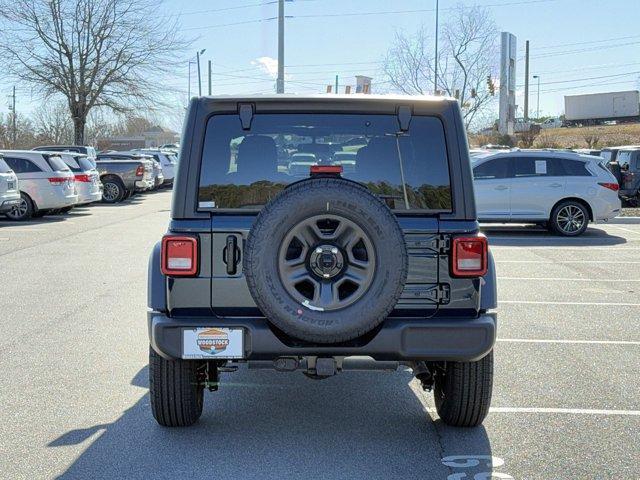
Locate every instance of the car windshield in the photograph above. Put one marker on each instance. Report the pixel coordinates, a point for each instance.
(245, 168)
(57, 164)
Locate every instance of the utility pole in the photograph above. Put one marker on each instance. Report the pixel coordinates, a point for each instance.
(280, 81)
(199, 77)
(435, 76)
(189, 84)
(209, 77)
(336, 84)
(538, 108)
(526, 81)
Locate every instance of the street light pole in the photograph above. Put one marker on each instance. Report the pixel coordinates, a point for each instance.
(189, 84)
(199, 76)
(538, 106)
(435, 76)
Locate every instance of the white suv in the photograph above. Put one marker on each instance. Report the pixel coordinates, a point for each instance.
(561, 190)
(46, 183)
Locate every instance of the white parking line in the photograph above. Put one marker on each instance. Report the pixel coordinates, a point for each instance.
(586, 342)
(636, 232)
(544, 302)
(553, 279)
(23, 229)
(571, 411)
(4, 239)
(561, 262)
(612, 248)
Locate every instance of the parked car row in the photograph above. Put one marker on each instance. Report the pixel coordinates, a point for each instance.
(54, 179)
(561, 190)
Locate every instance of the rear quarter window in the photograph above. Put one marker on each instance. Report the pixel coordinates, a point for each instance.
(57, 164)
(4, 168)
(244, 169)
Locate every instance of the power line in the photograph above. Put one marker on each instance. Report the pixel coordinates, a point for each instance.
(582, 50)
(589, 78)
(389, 12)
(245, 22)
(216, 10)
(562, 45)
(586, 86)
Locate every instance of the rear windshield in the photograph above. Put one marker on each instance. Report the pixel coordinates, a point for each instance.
(72, 163)
(57, 165)
(86, 164)
(624, 158)
(246, 168)
(4, 168)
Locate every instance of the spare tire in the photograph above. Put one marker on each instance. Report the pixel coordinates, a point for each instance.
(326, 260)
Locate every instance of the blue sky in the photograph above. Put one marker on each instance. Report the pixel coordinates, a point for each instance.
(575, 44)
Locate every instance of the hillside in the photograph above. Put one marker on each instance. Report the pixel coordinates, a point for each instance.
(575, 137)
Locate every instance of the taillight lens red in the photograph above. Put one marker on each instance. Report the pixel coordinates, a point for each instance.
(140, 171)
(179, 256)
(83, 178)
(611, 186)
(58, 180)
(331, 169)
(469, 256)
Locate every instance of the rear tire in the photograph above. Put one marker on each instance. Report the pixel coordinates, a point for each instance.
(113, 190)
(176, 398)
(463, 394)
(569, 219)
(23, 211)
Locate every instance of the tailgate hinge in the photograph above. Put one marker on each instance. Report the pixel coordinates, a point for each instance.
(443, 243)
(443, 294)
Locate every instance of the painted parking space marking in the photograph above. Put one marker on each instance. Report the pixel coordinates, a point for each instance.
(566, 262)
(557, 279)
(543, 302)
(629, 230)
(560, 411)
(565, 341)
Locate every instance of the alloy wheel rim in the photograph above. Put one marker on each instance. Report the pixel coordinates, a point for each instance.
(19, 210)
(326, 262)
(570, 219)
(111, 191)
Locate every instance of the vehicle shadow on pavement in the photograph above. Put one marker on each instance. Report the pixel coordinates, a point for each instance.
(269, 425)
(516, 236)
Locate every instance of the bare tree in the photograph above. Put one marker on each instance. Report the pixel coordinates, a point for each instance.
(96, 53)
(468, 55)
(53, 124)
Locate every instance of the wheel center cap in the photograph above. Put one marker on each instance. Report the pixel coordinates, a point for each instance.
(326, 261)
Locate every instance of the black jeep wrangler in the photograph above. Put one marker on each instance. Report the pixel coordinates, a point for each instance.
(322, 234)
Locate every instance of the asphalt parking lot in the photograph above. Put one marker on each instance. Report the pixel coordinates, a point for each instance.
(73, 383)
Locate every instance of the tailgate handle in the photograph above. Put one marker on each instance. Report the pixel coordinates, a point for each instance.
(231, 254)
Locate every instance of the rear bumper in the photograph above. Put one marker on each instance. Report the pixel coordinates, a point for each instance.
(453, 339)
(7, 205)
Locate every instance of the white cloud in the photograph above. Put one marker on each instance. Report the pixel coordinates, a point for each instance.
(268, 65)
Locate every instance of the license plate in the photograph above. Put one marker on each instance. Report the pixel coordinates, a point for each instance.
(213, 342)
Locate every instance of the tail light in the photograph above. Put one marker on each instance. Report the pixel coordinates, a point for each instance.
(140, 171)
(179, 256)
(83, 178)
(611, 186)
(326, 169)
(58, 180)
(469, 258)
